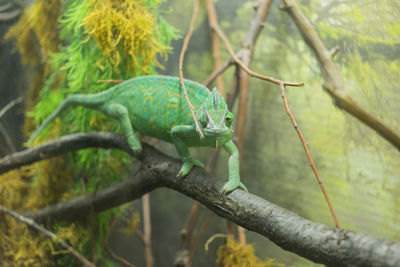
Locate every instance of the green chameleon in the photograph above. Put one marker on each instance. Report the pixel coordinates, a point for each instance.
(155, 106)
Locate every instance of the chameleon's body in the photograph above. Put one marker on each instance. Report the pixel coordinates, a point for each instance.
(155, 106)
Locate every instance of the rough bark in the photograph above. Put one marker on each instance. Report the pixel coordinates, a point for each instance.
(316, 242)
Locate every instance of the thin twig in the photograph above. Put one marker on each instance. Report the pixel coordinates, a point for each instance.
(92, 221)
(5, 7)
(182, 256)
(7, 16)
(221, 34)
(199, 234)
(181, 57)
(110, 81)
(212, 16)
(118, 258)
(303, 141)
(7, 138)
(218, 71)
(32, 224)
(147, 230)
(10, 105)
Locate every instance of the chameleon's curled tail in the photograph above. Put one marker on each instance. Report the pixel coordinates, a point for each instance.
(84, 100)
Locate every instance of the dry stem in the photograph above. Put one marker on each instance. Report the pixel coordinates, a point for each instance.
(242, 65)
(181, 57)
(147, 230)
(304, 142)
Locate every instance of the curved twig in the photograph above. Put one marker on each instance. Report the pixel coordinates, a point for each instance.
(181, 57)
(228, 46)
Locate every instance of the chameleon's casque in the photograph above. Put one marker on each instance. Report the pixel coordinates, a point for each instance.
(155, 106)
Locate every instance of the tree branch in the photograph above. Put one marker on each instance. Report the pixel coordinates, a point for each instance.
(62, 145)
(333, 82)
(317, 242)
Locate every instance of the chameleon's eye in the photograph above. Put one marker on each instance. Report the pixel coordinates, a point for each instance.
(228, 121)
(203, 124)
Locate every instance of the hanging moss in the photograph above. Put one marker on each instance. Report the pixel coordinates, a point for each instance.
(36, 39)
(38, 23)
(234, 254)
(125, 28)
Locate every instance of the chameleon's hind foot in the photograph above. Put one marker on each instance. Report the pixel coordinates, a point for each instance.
(231, 185)
(187, 167)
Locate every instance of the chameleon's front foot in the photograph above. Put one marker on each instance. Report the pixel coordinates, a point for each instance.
(231, 185)
(187, 167)
(134, 144)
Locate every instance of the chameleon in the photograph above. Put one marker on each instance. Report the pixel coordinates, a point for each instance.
(155, 106)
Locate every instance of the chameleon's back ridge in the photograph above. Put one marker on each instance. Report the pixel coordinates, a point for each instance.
(155, 106)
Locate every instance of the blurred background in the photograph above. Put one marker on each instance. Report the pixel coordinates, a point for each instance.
(360, 170)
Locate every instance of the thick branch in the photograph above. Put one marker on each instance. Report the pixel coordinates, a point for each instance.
(314, 241)
(333, 82)
(61, 145)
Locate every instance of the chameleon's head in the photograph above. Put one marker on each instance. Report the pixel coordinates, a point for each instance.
(215, 119)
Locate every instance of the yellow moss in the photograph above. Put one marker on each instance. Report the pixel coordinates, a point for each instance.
(131, 224)
(234, 254)
(37, 23)
(124, 25)
(20, 246)
(36, 36)
(76, 235)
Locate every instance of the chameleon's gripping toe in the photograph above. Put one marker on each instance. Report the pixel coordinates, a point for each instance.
(231, 185)
(135, 145)
(187, 167)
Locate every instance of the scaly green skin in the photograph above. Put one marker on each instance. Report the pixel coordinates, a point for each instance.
(155, 106)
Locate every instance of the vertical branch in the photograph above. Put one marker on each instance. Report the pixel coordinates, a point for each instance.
(147, 230)
(212, 17)
(199, 234)
(181, 57)
(303, 141)
(182, 256)
(246, 53)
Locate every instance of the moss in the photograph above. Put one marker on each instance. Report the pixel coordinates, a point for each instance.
(237, 255)
(36, 38)
(38, 23)
(124, 28)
